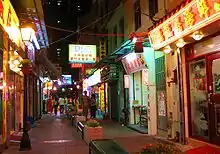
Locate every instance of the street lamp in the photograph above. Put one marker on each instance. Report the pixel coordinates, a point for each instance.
(25, 144)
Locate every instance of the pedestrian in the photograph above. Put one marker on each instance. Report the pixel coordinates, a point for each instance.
(61, 103)
(56, 107)
(85, 104)
(93, 106)
(66, 102)
(50, 105)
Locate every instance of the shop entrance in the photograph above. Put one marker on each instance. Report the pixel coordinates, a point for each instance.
(213, 71)
(204, 75)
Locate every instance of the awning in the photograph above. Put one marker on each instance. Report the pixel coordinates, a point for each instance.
(42, 56)
(114, 57)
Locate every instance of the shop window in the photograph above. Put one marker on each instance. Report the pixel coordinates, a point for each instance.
(198, 97)
(137, 14)
(153, 7)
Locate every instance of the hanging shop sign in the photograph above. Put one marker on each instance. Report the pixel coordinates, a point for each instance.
(102, 96)
(76, 65)
(82, 53)
(110, 73)
(102, 49)
(133, 63)
(192, 17)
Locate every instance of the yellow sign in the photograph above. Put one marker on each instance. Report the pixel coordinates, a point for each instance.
(10, 22)
(102, 49)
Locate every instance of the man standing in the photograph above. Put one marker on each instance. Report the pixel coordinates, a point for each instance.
(85, 104)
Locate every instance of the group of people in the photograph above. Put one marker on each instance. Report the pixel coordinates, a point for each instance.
(63, 105)
(59, 104)
(89, 104)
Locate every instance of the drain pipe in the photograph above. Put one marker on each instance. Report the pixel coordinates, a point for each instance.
(181, 100)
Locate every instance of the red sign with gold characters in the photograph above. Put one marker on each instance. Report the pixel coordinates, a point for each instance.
(194, 16)
(76, 65)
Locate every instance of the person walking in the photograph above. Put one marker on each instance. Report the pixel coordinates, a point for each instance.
(61, 103)
(85, 104)
(50, 105)
(56, 107)
(93, 106)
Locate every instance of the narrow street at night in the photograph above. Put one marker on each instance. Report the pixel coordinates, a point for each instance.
(53, 135)
(109, 76)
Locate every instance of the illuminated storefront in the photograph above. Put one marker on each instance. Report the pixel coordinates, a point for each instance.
(91, 85)
(11, 85)
(16, 90)
(135, 67)
(191, 34)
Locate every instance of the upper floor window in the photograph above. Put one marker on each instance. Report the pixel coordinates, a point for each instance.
(137, 14)
(153, 7)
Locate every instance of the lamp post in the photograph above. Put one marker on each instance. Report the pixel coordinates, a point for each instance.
(25, 144)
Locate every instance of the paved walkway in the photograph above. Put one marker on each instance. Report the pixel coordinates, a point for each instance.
(53, 136)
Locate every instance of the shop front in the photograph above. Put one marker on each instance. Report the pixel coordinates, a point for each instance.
(193, 38)
(111, 91)
(16, 93)
(136, 81)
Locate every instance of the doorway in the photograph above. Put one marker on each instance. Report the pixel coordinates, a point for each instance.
(213, 71)
(204, 79)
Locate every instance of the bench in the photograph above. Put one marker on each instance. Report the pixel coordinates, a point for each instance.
(80, 128)
(105, 146)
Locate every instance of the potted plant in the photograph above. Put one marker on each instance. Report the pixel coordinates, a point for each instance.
(25, 66)
(160, 148)
(92, 131)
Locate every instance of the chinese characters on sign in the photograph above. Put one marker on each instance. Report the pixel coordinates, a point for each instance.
(196, 14)
(134, 65)
(76, 65)
(82, 53)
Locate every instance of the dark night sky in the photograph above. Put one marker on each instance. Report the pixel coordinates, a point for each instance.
(63, 14)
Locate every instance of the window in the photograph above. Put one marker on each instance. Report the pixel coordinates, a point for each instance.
(137, 14)
(121, 26)
(153, 7)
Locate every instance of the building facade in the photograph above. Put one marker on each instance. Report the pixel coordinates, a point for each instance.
(191, 44)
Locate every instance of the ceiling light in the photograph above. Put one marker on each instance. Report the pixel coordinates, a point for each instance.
(58, 3)
(167, 49)
(198, 35)
(180, 43)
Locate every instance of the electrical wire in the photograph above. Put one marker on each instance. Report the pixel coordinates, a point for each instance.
(89, 25)
(78, 31)
(71, 31)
